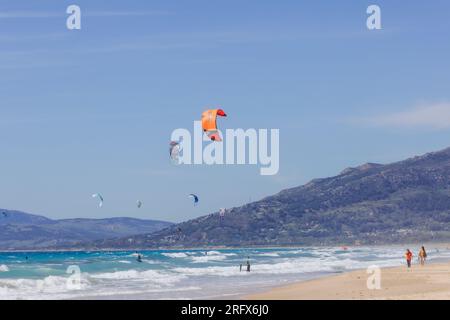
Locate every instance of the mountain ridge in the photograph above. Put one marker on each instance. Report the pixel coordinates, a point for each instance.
(408, 200)
(20, 230)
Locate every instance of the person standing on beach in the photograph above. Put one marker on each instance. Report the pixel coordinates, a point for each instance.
(408, 256)
(248, 264)
(422, 256)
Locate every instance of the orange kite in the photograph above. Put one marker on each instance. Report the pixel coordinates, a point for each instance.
(209, 123)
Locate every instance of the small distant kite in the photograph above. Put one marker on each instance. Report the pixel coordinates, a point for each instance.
(139, 204)
(194, 197)
(174, 151)
(100, 198)
(209, 123)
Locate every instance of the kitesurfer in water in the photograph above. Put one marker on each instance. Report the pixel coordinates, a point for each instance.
(139, 258)
(248, 264)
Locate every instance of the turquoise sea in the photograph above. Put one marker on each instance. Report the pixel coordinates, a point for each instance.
(181, 274)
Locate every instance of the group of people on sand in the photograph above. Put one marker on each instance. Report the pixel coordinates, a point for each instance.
(422, 256)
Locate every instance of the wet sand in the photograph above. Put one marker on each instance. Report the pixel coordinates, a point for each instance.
(429, 282)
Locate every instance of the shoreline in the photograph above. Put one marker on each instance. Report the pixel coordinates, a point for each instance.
(429, 282)
(427, 244)
(192, 276)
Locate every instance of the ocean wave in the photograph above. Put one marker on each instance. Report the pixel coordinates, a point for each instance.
(269, 254)
(135, 255)
(211, 256)
(287, 266)
(92, 285)
(175, 255)
(218, 253)
(206, 259)
(48, 287)
(150, 261)
(213, 271)
(4, 268)
(151, 276)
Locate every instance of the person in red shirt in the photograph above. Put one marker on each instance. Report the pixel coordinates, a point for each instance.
(408, 256)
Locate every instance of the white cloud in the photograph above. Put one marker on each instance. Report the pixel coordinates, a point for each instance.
(435, 116)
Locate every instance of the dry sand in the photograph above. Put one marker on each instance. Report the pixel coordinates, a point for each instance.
(430, 282)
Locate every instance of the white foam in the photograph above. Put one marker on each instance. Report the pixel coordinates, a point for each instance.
(92, 285)
(47, 288)
(150, 261)
(208, 258)
(213, 271)
(211, 256)
(269, 254)
(175, 255)
(4, 268)
(217, 253)
(288, 266)
(135, 255)
(217, 277)
(152, 276)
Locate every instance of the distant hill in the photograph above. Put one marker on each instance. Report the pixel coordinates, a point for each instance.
(407, 201)
(20, 230)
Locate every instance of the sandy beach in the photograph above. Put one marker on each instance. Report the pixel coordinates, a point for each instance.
(429, 282)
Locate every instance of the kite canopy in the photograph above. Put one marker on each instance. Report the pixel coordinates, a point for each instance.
(193, 196)
(174, 151)
(139, 203)
(100, 198)
(209, 123)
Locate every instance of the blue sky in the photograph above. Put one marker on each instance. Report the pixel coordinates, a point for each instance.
(92, 110)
